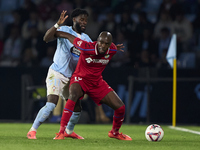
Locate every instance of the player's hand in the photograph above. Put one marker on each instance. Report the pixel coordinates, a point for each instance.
(120, 47)
(62, 18)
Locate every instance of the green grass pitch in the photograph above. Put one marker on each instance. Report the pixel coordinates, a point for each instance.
(13, 137)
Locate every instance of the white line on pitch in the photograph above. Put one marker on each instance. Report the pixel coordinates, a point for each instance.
(185, 130)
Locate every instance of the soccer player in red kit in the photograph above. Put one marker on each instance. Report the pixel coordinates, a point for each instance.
(87, 79)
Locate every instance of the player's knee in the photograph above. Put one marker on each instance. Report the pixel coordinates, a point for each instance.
(121, 109)
(77, 108)
(74, 96)
(53, 99)
(50, 106)
(75, 92)
(119, 105)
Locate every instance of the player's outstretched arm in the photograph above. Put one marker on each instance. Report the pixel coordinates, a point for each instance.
(50, 34)
(120, 47)
(65, 35)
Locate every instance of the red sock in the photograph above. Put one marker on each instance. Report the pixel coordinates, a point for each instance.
(67, 112)
(118, 119)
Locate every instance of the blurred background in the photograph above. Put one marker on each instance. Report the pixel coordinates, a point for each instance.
(141, 75)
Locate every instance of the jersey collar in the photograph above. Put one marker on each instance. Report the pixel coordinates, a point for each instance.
(96, 52)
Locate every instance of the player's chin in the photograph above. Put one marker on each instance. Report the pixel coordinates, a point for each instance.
(83, 29)
(101, 52)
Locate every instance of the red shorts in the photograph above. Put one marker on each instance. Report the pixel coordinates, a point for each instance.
(95, 91)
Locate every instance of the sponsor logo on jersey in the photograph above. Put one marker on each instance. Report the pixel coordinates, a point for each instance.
(107, 56)
(88, 60)
(75, 51)
(77, 79)
(102, 61)
(79, 43)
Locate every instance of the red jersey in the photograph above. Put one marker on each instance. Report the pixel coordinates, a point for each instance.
(91, 64)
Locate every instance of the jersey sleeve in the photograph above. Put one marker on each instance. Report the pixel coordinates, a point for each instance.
(63, 28)
(84, 46)
(88, 38)
(113, 48)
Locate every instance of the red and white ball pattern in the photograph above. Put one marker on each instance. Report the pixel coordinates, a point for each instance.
(154, 132)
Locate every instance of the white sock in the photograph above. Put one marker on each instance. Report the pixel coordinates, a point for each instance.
(33, 129)
(69, 131)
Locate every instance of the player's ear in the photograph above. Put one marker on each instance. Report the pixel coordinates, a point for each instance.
(74, 19)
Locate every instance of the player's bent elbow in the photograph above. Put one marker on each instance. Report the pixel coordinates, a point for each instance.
(48, 39)
(44, 39)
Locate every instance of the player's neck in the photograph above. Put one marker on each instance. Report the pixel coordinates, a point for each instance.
(76, 30)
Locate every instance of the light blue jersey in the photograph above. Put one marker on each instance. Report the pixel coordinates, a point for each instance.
(66, 55)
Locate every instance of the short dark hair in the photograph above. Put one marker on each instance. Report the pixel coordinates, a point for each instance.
(76, 12)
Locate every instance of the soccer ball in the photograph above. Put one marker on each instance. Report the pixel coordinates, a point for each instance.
(154, 132)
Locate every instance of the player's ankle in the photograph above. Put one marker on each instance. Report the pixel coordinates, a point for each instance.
(62, 129)
(33, 129)
(115, 132)
(68, 131)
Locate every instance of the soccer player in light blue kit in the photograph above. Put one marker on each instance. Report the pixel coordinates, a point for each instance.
(59, 73)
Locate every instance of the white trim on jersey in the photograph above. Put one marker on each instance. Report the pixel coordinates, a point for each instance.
(96, 49)
(108, 50)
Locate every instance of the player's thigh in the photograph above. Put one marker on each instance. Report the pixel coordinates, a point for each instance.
(65, 91)
(112, 100)
(75, 92)
(56, 84)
